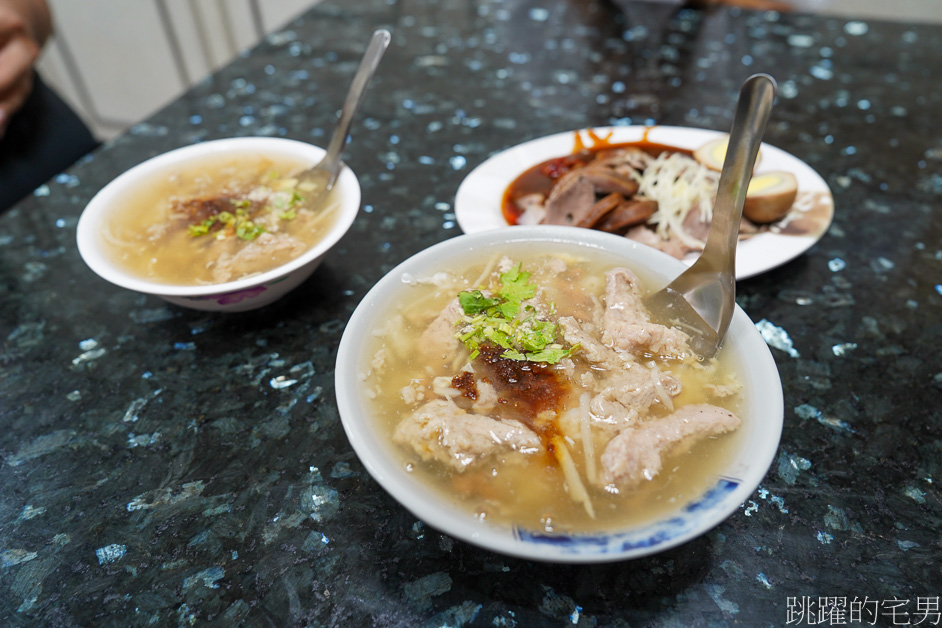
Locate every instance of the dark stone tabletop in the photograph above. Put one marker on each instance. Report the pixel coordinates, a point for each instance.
(161, 466)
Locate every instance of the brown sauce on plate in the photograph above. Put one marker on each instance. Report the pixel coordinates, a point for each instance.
(541, 177)
(810, 216)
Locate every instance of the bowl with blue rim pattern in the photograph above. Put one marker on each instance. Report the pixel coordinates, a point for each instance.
(733, 482)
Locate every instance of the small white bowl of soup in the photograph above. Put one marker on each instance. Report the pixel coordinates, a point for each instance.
(217, 225)
(505, 388)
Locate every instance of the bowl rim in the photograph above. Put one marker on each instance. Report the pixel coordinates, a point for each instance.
(98, 207)
(715, 506)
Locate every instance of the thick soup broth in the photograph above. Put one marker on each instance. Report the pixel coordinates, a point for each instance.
(528, 485)
(214, 220)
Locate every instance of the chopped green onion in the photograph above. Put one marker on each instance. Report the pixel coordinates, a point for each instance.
(248, 230)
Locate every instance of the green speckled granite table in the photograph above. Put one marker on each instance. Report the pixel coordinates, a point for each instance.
(160, 466)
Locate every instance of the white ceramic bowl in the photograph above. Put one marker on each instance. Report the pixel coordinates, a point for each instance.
(234, 296)
(762, 411)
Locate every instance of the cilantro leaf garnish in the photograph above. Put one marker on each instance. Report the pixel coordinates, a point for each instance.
(474, 301)
(515, 286)
(503, 321)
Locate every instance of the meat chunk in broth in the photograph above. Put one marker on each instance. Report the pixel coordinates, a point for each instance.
(268, 246)
(626, 322)
(440, 430)
(438, 341)
(636, 454)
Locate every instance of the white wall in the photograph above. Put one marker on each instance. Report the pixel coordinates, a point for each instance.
(118, 61)
(917, 11)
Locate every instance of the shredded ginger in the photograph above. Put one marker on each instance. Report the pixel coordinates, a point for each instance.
(679, 184)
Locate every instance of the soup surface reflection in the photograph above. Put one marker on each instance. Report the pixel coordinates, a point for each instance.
(532, 389)
(218, 219)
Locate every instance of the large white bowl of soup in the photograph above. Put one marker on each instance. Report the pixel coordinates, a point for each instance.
(220, 225)
(509, 389)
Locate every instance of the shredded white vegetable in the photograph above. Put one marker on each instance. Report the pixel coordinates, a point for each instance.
(488, 269)
(588, 446)
(574, 483)
(679, 184)
(662, 394)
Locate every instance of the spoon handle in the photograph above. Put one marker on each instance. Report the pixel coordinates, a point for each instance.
(752, 114)
(374, 52)
(702, 299)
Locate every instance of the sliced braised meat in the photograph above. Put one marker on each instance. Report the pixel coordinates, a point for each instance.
(570, 199)
(694, 227)
(574, 199)
(606, 180)
(624, 161)
(627, 214)
(599, 210)
(637, 453)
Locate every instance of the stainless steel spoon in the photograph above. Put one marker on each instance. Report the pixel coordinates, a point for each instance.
(702, 299)
(319, 180)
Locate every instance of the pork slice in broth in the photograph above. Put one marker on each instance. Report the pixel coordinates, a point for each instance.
(438, 341)
(440, 430)
(637, 453)
(590, 348)
(278, 247)
(630, 392)
(626, 326)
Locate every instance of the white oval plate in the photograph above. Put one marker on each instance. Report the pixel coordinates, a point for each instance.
(762, 411)
(479, 197)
